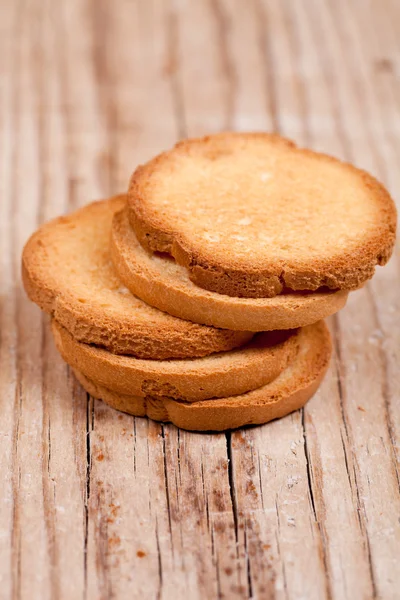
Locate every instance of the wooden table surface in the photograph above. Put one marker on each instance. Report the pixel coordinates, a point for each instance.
(97, 504)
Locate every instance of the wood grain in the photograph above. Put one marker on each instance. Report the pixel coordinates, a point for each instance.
(97, 504)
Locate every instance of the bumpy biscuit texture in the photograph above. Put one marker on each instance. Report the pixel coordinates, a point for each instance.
(252, 215)
(163, 283)
(288, 392)
(67, 271)
(215, 376)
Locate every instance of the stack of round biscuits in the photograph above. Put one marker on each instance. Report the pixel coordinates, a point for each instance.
(198, 297)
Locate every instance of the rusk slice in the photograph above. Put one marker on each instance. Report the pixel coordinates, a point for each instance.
(252, 215)
(161, 282)
(216, 376)
(67, 271)
(288, 392)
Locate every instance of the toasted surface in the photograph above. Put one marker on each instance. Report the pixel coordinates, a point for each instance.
(251, 215)
(67, 271)
(288, 392)
(222, 374)
(161, 282)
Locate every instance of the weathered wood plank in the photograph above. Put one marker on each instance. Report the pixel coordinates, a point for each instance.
(8, 334)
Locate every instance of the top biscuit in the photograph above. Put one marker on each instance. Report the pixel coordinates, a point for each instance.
(252, 215)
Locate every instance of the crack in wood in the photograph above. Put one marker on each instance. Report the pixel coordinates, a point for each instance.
(278, 547)
(360, 511)
(215, 561)
(159, 561)
(308, 467)
(178, 479)
(260, 481)
(48, 482)
(205, 496)
(134, 445)
(319, 515)
(102, 539)
(89, 429)
(248, 565)
(167, 495)
(346, 462)
(231, 480)
(385, 389)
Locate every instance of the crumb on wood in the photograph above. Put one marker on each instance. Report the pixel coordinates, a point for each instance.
(251, 489)
(114, 541)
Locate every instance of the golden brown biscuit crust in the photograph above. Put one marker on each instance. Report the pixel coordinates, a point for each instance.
(161, 282)
(216, 376)
(326, 223)
(288, 392)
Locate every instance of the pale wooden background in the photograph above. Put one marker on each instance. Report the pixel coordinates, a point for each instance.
(96, 504)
